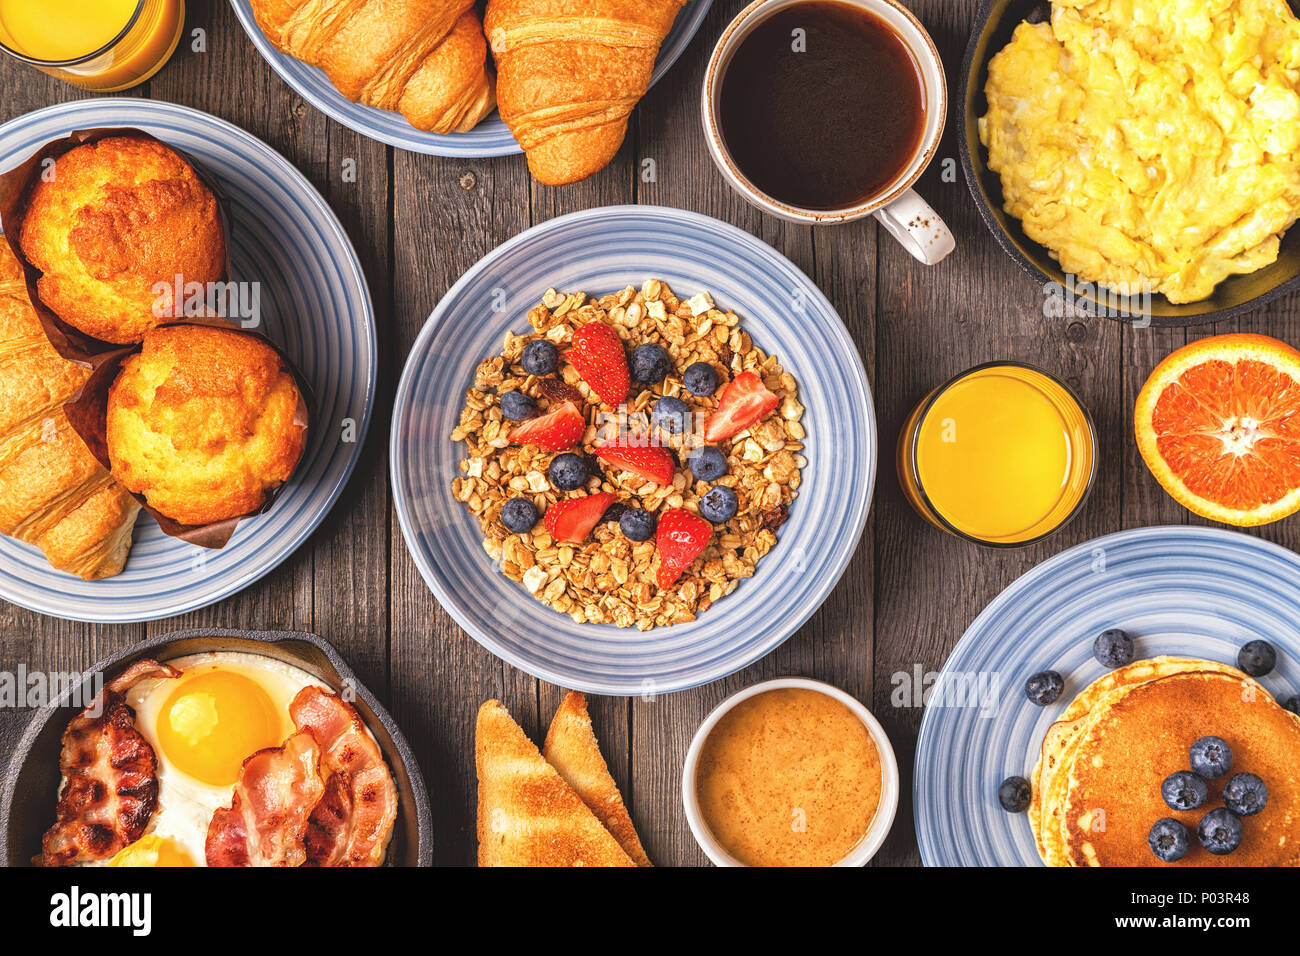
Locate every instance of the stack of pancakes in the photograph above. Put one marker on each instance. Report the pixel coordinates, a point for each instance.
(1097, 783)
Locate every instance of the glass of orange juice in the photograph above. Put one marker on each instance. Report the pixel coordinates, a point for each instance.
(1003, 455)
(100, 45)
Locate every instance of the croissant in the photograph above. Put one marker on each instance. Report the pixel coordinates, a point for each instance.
(570, 72)
(426, 59)
(53, 493)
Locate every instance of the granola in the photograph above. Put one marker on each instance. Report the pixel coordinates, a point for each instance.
(608, 578)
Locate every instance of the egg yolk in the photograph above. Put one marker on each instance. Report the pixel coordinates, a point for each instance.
(151, 850)
(213, 721)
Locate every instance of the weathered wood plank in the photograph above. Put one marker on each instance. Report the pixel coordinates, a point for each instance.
(439, 674)
(613, 186)
(975, 307)
(1145, 502)
(829, 647)
(268, 109)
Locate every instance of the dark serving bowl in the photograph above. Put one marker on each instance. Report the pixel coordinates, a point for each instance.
(994, 24)
(31, 741)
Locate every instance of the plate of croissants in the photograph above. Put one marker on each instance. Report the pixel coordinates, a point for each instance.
(556, 79)
(187, 360)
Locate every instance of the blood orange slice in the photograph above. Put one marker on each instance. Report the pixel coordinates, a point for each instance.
(1218, 424)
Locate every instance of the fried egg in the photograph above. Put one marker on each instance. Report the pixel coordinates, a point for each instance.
(1151, 145)
(223, 708)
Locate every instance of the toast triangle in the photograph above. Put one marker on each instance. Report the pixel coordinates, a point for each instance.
(572, 749)
(527, 814)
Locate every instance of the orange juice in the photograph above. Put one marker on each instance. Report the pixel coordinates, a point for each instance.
(1004, 454)
(102, 45)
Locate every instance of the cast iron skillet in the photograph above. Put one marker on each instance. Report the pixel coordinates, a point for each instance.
(31, 740)
(994, 24)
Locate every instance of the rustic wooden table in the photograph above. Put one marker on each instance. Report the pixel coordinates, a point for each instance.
(418, 222)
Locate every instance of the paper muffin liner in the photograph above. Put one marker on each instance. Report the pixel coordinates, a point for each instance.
(15, 196)
(87, 413)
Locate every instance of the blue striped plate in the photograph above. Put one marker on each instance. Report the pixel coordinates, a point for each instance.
(315, 305)
(600, 251)
(1189, 591)
(489, 138)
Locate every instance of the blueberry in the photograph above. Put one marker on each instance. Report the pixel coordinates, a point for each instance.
(1257, 658)
(519, 515)
(1113, 648)
(708, 464)
(1184, 790)
(1220, 831)
(701, 379)
(650, 363)
(719, 505)
(518, 407)
(1169, 840)
(1293, 703)
(1044, 688)
(1211, 757)
(637, 525)
(1014, 794)
(671, 414)
(1245, 794)
(541, 358)
(614, 513)
(568, 472)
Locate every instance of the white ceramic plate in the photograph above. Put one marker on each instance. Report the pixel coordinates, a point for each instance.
(315, 306)
(489, 138)
(599, 251)
(1189, 591)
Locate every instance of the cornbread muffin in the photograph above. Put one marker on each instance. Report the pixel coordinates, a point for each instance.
(201, 422)
(119, 216)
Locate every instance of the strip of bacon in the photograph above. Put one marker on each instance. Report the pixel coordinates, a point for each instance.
(266, 822)
(353, 827)
(328, 827)
(110, 774)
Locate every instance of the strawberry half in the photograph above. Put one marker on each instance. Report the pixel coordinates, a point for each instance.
(651, 462)
(600, 359)
(680, 539)
(572, 520)
(744, 402)
(558, 429)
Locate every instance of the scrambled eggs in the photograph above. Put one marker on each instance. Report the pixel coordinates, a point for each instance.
(1151, 144)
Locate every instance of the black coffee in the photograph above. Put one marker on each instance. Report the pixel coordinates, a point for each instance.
(822, 105)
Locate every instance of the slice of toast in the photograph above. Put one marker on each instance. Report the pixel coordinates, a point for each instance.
(527, 814)
(571, 748)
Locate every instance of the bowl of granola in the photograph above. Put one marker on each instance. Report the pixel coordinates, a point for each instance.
(633, 450)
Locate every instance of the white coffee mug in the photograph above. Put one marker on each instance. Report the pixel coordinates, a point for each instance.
(899, 209)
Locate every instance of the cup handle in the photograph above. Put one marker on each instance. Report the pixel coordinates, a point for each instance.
(918, 227)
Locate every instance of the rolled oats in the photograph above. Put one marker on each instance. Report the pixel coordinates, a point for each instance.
(608, 578)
